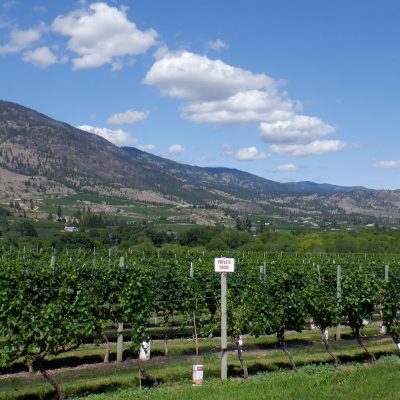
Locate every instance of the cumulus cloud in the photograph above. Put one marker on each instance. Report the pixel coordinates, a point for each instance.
(312, 148)
(190, 76)
(286, 168)
(244, 154)
(215, 92)
(218, 93)
(128, 117)
(242, 107)
(217, 45)
(41, 57)
(118, 136)
(387, 164)
(175, 149)
(22, 39)
(99, 34)
(146, 147)
(297, 129)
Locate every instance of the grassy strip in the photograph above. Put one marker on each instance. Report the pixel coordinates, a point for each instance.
(360, 382)
(91, 354)
(102, 378)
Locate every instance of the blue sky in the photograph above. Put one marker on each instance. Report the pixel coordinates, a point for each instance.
(288, 90)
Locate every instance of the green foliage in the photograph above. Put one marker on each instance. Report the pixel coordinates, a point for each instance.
(74, 240)
(26, 228)
(360, 293)
(44, 310)
(391, 304)
(136, 303)
(322, 302)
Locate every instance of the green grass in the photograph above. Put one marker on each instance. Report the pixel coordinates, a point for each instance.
(350, 381)
(151, 211)
(145, 210)
(47, 229)
(302, 343)
(270, 365)
(361, 382)
(80, 197)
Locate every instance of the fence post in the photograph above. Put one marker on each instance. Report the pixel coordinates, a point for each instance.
(338, 296)
(120, 331)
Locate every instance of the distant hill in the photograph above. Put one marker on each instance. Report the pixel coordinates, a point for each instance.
(40, 156)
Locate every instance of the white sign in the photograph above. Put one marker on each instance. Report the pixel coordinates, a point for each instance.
(224, 264)
(144, 354)
(197, 375)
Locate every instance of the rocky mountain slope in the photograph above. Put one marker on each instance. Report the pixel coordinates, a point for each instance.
(40, 156)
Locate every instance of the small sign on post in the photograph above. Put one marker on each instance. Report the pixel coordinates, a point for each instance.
(197, 375)
(144, 353)
(224, 264)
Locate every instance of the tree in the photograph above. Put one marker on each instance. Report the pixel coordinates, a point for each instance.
(74, 240)
(243, 223)
(311, 242)
(26, 228)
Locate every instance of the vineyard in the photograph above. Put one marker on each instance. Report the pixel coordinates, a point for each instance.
(53, 303)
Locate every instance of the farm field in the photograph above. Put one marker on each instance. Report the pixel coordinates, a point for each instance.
(268, 366)
(60, 308)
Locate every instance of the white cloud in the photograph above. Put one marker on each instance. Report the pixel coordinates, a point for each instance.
(190, 76)
(22, 39)
(100, 33)
(215, 92)
(41, 57)
(298, 129)
(175, 149)
(244, 154)
(387, 164)
(128, 117)
(217, 45)
(117, 66)
(243, 107)
(146, 147)
(313, 148)
(118, 136)
(286, 168)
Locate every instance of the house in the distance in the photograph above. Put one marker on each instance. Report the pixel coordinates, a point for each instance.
(71, 229)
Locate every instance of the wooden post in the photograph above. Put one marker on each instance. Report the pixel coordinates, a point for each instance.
(224, 341)
(191, 273)
(120, 331)
(338, 296)
(382, 330)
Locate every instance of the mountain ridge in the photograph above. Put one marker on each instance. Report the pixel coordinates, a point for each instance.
(50, 157)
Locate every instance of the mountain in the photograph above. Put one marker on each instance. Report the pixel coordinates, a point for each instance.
(40, 156)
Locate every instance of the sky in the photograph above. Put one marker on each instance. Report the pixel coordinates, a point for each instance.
(288, 90)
